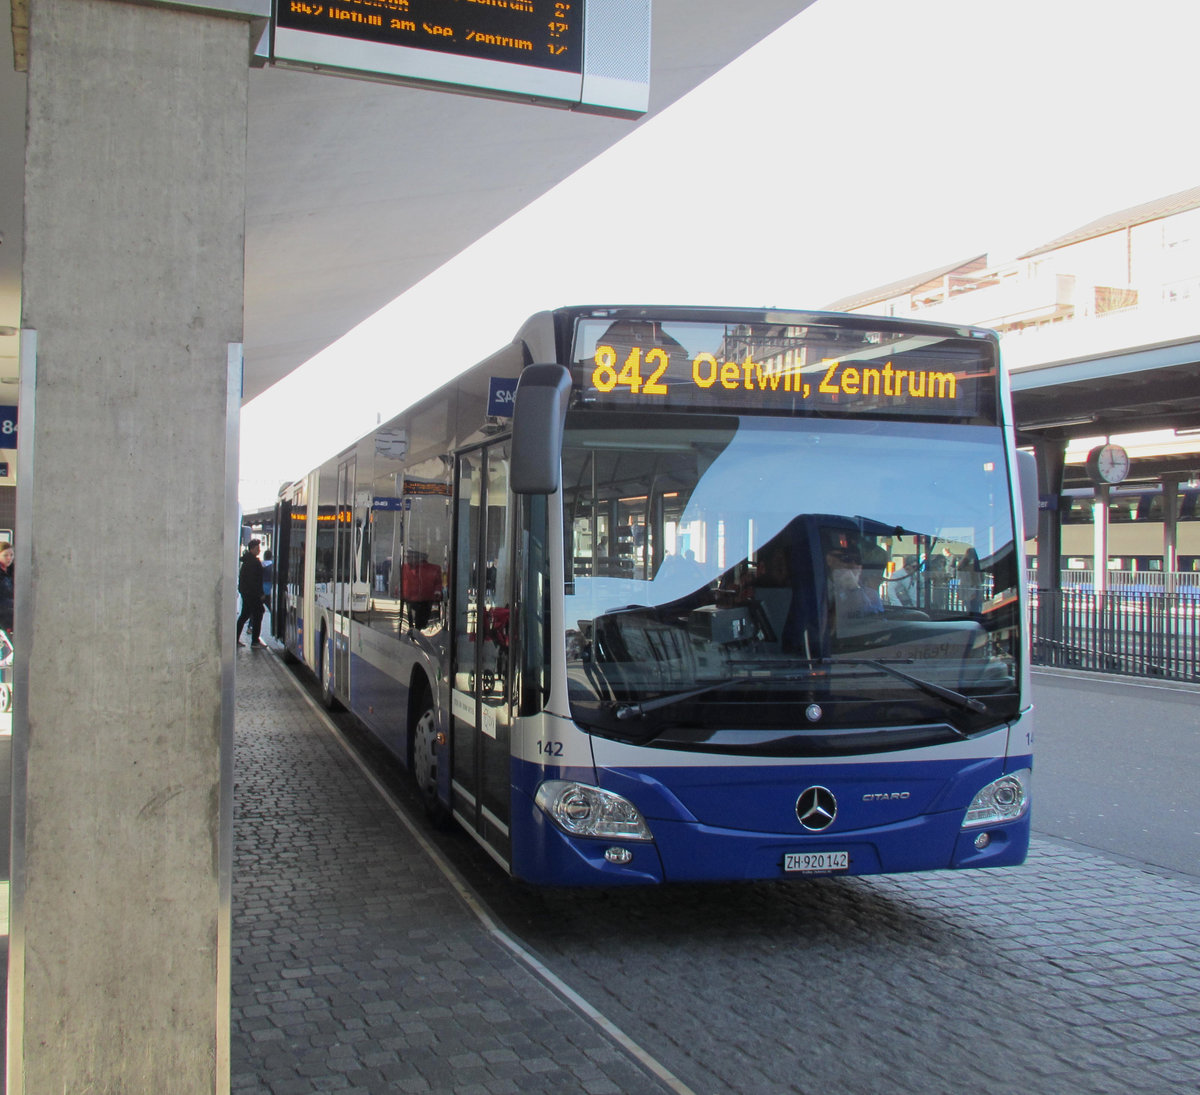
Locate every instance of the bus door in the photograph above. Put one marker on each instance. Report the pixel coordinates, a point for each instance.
(343, 584)
(481, 720)
(282, 569)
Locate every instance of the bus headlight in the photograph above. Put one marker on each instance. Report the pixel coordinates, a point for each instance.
(1004, 799)
(582, 810)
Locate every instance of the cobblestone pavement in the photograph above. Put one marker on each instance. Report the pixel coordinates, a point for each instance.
(1069, 975)
(356, 965)
(358, 968)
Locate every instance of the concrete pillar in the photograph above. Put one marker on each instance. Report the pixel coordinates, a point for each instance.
(134, 194)
(1051, 460)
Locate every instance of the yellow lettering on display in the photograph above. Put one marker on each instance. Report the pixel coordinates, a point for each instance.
(770, 377)
(604, 375)
(842, 379)
(631, 373)
(946, 384)
(354, 17)
(828, 387)
(701, 361)
(497, 40)
(654, 385)
(644, 372)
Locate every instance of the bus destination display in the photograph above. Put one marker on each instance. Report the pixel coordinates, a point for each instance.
(545, 34)
(646, 365)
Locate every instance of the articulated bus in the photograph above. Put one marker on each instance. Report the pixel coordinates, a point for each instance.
(651, 595)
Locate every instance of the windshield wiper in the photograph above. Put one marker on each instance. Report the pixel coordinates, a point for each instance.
(637, 710)
(963, 703)
(625, 711)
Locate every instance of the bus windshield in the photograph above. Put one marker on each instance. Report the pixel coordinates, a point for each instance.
(793, 585)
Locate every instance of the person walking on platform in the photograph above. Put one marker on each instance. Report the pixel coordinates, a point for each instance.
(6, 625)
(6, 587)
(268, 566)
(250, 586)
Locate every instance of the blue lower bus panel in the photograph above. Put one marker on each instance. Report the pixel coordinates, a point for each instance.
(729, 824)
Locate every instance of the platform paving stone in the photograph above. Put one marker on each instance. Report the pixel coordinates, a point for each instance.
(1072, 974)
(356, 967)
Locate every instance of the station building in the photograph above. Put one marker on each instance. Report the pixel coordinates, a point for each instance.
(1101, 329)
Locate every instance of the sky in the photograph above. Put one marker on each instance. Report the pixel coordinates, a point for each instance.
(864, 141)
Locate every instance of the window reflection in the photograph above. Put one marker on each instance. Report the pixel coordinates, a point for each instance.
(410, 547)
(747, 553)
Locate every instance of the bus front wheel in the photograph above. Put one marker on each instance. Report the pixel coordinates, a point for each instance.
(424, 765)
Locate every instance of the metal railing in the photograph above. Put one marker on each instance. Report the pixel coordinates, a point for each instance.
(1186, 582)
(1131, 631)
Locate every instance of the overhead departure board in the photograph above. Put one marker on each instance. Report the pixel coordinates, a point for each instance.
(590, 55)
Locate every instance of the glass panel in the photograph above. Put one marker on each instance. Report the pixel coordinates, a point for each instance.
(482, 674)
(773, 563)
(426, 544)
(467, 595)
(362, 569)
(533, 564)
(385, 538)
(348, 592)
(410, 538)
(327, 511)
(345, 540)
(494, 637)
(387, 525)
(296, 551)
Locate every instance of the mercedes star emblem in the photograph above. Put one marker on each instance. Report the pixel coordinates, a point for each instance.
(816, 808)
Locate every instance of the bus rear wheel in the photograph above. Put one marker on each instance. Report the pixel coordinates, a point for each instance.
(325, 673)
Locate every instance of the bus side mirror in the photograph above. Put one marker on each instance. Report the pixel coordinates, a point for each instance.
(539, 413)
(1027, 482)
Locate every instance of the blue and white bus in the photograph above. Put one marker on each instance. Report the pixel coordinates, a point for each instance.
(678, 594)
